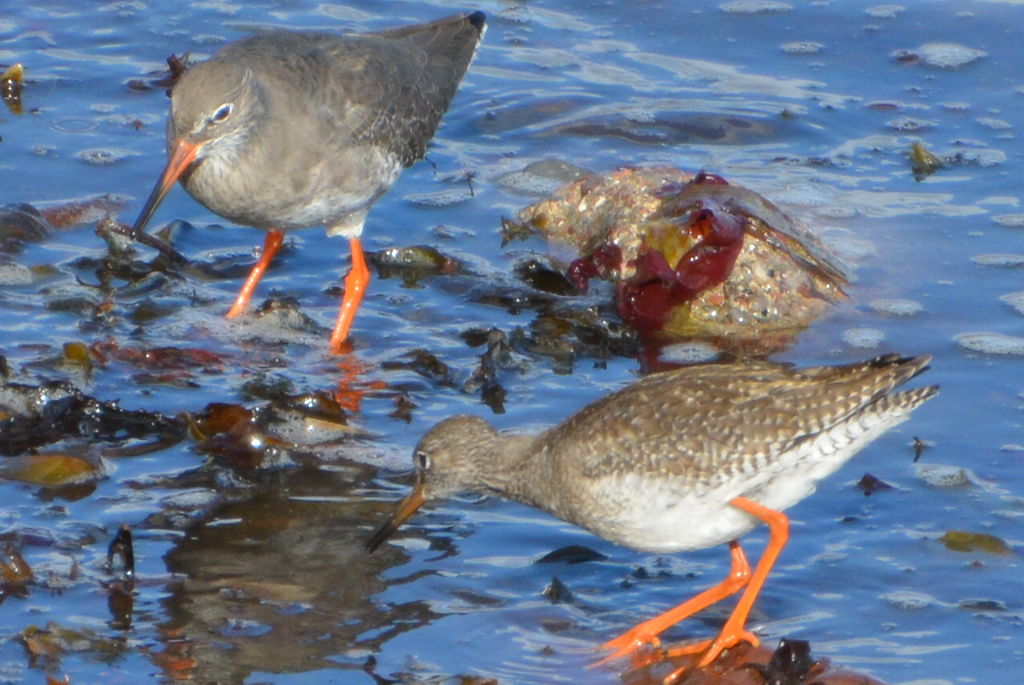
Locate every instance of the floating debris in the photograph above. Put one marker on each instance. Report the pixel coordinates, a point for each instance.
(173, 366)
(50, 470)
(558, 592)
(54, 641)
(498, 355)
(919, 446)
(39, 415)
(869, 484)
(542, 277)
(176, 66)
(571, 554)
(83, 211)
(413, 263)
(232, 435)
(691, 256)
(922, 162)
(965, 541)
(426, 364)
(14, 570)
(791, 662)
(10, 87)
(120, 597)
(121, 548)
(20, 224)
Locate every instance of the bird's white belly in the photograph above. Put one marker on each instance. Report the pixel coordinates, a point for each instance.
(659, 513)
(661, 518)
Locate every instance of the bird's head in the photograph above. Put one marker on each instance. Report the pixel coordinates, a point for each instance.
(213, 109)
(450, 458)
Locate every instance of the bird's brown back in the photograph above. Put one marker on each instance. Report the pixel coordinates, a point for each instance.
(703, 422)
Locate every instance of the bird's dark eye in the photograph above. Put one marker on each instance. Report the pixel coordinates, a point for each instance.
(422, 461)
(222, 113)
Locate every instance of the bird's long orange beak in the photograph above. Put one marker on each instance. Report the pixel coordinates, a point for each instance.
(182, 155)
(405, 510)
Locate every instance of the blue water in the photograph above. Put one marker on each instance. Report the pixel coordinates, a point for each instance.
(269, 583)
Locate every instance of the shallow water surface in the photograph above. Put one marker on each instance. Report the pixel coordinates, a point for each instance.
(262, 577)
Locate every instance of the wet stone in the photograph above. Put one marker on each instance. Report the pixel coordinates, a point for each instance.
(869, 485)
(982, 605)
(558, 592)
(896, 307)
(1015, 300)
(1000, 259)
(19, 224)
(1009, 220)
(992, 343)
(755, 7)
(910, 124)
(441, 198)
(104, 156)
(941, 55)
(804, 47)
(543, 177)
(908, 600)
(571, 554)
(944, 475)
(863, 338)
(884, 11)
(15, 274)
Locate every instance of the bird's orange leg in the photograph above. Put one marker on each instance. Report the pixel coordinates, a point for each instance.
(355, 285)
(271, 246)
(733, 631)
(647, 632)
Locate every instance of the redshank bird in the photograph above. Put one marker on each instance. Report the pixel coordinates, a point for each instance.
(680, 460)
(286, 130)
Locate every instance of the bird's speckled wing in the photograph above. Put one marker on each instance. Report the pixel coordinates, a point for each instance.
(702, 422)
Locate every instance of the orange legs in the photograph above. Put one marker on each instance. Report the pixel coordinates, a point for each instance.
(355, 285)
(733, 631)
(271, 246)
(647, 632)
